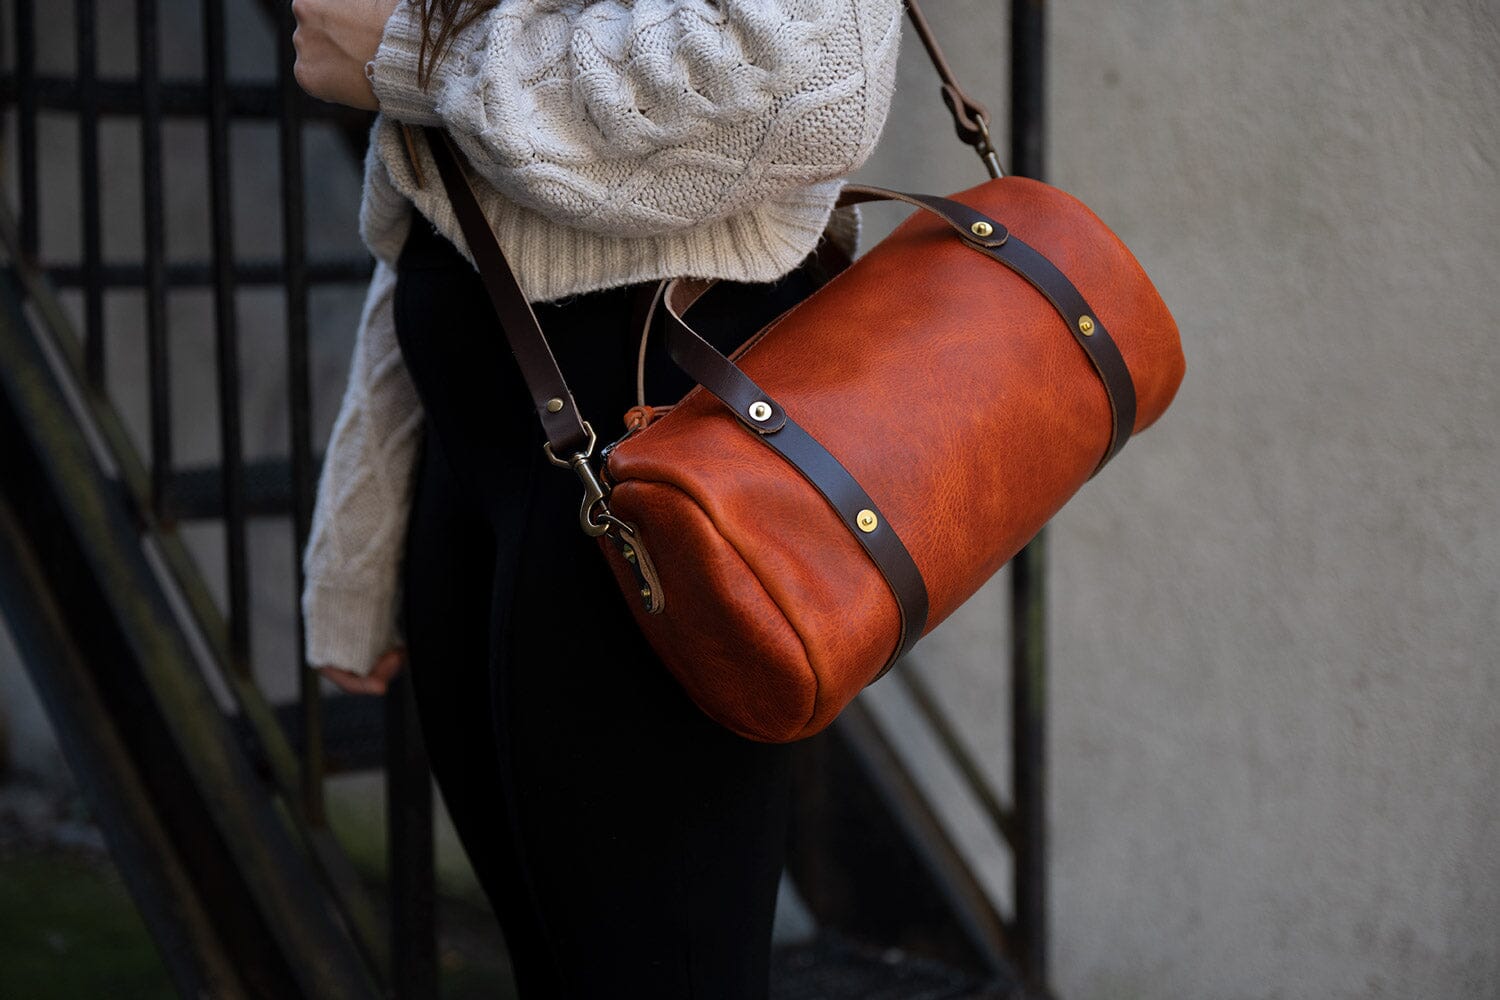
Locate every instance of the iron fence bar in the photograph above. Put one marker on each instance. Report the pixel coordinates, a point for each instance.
(90, 737)
(26, 100)
(179, 98)
(154, 271)
(299, 388)
(1028, 39)
(257, 716)
(226, 338)
(1001, 818)
(876, 861)
(200, 275)
(268, 911)
(84, 13)
(407, 953)
(195, 490)
(118, 441)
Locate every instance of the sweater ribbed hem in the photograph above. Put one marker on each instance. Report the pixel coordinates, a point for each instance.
(553, 261)
(348, 628)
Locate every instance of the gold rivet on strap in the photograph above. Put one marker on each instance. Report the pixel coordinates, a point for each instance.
(554, 405)
(867, 520)
(982, 229)
(760, 411)
(1086, 325)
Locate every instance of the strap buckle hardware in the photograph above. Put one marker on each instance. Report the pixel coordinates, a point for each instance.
(593, 515)
(985, 147)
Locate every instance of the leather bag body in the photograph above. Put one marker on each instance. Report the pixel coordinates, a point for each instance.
(956, 395)
(861, 466)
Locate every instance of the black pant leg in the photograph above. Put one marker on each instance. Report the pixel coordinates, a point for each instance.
(447, 600)
(654, 837)
(651, 840)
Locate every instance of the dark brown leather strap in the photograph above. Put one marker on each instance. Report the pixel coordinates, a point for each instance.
(961, 217)
(971, 120)
(566, 431)
(1081, 320)
(1086, 327)
(860, 514)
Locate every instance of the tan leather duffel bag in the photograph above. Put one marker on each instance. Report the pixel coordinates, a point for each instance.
(792, 526)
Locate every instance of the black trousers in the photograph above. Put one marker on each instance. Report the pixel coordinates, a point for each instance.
(630, 846)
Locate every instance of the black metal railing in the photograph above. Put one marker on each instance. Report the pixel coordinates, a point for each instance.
(295, 746)
(163, 496)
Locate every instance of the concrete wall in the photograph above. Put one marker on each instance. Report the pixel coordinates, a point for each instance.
(1275, 695)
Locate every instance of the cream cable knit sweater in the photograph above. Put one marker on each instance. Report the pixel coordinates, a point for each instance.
(617, 141)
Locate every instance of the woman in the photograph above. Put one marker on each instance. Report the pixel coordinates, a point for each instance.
(629, 845)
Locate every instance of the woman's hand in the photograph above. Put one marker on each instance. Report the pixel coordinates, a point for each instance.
(387, 667)
(334, 41)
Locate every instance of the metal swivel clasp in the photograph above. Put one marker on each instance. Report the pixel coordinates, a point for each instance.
(593, 516)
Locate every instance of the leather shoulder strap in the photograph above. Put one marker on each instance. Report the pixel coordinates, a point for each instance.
(567, 432)
(971, 120)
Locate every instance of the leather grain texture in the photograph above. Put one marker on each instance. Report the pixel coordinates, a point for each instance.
(955, 394)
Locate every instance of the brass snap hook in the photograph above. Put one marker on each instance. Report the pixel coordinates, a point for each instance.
(593, 490)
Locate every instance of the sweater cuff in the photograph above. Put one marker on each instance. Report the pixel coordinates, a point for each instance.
(394, 78)
(347, 628)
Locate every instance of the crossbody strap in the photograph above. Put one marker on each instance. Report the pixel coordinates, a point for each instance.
(971, 120)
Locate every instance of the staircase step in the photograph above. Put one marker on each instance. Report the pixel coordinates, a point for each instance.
(831, 967)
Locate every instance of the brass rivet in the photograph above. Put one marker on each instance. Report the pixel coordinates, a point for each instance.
(867, 520)
(760, 411)
(646, 593)
(629, 553)
(1086, 326)
(982, 228)
(554, 404)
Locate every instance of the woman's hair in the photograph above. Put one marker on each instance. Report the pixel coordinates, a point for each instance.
(446, 18)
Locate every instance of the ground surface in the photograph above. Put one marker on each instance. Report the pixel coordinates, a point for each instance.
(68, 927)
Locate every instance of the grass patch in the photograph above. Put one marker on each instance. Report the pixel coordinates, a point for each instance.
(69, 929)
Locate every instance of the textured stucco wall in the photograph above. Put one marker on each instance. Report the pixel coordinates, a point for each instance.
(1275, 694)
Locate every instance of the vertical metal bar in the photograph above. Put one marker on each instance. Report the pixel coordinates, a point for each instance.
(88, 155)
(226, 338)
(1028, 39)
(299, 389)
(154, 239)
(26, 124)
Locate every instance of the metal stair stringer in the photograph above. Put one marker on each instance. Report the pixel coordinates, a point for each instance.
(99, 638)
